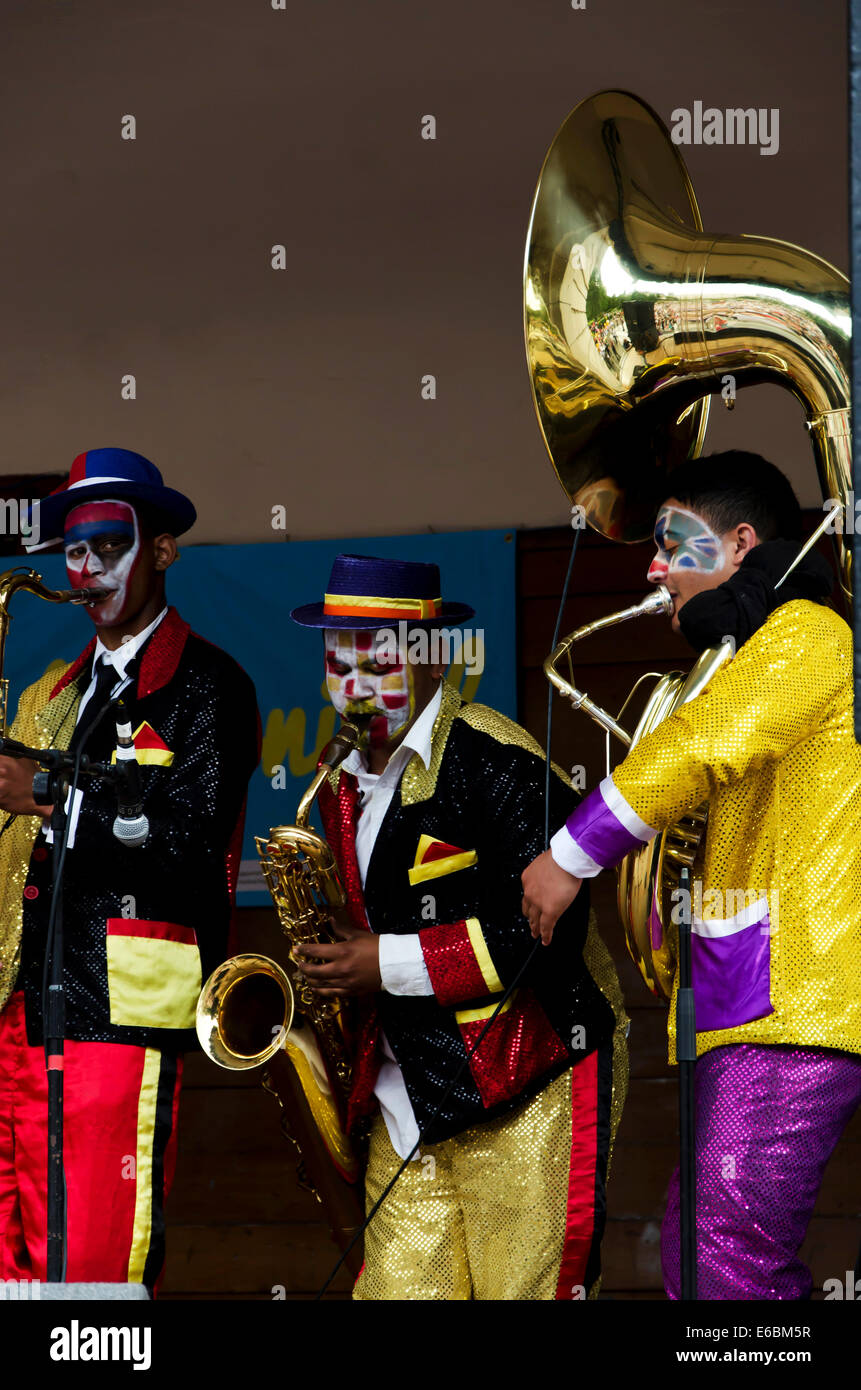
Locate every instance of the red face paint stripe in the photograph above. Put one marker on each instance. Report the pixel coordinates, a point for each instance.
(99, 511)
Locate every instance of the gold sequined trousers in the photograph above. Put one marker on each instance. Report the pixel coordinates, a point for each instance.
(513, 1209)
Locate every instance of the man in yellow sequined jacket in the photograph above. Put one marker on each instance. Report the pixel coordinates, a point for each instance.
(776, 944)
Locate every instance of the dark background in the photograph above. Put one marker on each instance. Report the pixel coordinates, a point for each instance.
(404, 256)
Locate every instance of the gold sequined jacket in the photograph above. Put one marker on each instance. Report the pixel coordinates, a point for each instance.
(769, 745)
(38, 727)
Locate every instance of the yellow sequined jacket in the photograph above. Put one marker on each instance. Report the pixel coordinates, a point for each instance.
(38, 726)
(769, 745)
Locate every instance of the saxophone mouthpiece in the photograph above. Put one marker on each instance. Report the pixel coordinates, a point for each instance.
(341, 746)
(89, 596)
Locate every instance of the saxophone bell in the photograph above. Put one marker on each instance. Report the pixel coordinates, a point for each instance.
(245, 1012)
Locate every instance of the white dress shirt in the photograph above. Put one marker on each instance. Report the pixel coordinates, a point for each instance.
(119, 659)
(402, 967)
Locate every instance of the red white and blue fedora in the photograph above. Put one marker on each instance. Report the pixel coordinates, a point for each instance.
(108, 473)
(365, 593)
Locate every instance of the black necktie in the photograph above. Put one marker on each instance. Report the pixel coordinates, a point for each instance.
(106, 679)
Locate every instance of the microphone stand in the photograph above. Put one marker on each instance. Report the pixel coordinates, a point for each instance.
(52, 784)
(686, 1057)
(54, 1036)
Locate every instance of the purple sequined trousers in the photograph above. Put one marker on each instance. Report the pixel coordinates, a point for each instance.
(767, 1121)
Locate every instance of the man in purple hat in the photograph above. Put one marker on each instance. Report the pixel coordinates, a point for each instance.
(431, 823)
(143, 925)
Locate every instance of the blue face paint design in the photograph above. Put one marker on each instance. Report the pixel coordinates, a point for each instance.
(685, 542)
(89, 530)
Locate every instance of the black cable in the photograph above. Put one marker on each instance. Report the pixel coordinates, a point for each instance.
(509, 989)
(554, 644)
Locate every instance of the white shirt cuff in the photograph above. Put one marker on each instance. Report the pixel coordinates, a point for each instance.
(570, 857)
(402, 965)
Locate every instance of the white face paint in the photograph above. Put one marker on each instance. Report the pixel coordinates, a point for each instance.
(361, 686)
(102, 545)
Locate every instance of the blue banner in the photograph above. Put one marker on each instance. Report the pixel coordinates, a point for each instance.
(240, 597)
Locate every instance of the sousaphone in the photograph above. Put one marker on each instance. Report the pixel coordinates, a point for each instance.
(634, 317)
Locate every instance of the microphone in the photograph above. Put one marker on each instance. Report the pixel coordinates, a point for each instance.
(131, 826)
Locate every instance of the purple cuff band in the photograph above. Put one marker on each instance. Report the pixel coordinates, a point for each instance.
(599, 833)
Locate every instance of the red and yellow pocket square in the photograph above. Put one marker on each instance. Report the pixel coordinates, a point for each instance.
(150, 747)
(435, 858)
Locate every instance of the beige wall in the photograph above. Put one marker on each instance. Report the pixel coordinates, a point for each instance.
(404, 256)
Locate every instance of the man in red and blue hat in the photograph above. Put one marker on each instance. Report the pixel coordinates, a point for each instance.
(142, 925)
(432, 821)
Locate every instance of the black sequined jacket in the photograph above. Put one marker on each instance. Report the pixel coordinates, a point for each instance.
(143, 927)
(446, 864)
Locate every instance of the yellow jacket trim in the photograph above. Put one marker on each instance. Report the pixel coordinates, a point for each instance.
(142, 1228)
(150, 757)
(482, 956)
(437, 868)
(479, 1015)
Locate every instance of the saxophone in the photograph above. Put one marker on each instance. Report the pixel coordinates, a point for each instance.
(23, 578)
(251, 1013)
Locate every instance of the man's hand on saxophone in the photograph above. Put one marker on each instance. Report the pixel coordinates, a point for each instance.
(351, 965)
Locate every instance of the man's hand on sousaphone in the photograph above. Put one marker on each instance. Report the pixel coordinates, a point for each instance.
(548, 891)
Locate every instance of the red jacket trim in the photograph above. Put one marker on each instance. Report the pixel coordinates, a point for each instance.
(159, 661)
(452, 964)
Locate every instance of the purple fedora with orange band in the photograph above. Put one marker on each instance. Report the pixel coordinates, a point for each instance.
(365, 592)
